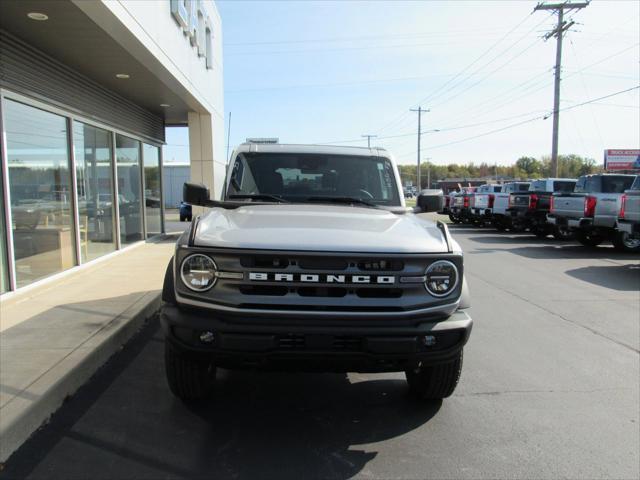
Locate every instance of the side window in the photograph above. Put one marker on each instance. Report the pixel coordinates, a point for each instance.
(581, 185)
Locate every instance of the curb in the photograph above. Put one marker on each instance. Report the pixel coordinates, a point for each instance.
(23, 416)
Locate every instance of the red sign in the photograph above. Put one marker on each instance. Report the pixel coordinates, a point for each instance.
(622, 160)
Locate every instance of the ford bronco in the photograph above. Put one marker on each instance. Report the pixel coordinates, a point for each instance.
(312, 262)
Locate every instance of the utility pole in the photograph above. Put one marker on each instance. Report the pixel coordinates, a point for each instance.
(420, 111)
(368, 137)
(558, 32)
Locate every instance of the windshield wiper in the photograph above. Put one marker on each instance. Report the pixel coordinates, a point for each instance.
(259, 196)
(345, 200)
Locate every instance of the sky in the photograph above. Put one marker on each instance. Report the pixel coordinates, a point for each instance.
(330, 72)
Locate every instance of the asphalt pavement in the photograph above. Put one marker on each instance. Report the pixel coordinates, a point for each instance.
(549, 389)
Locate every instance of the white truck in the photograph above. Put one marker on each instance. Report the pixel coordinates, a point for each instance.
(500, 217)
(591, 211)
(629, 215)
(482, 203)
(313, 262)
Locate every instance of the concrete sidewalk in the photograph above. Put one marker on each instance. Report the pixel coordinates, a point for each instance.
(55, 336)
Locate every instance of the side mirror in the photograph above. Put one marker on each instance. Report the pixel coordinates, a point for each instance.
(195, 194)
(430, 201)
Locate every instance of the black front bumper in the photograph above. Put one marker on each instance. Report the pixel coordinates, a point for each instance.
(357, 347)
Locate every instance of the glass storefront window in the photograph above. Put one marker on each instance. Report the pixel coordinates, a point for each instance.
(4, 269)
(40, 192)
(94, 182)
(151, 159)
(129, 189)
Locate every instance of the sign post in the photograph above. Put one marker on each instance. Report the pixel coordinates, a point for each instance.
(616, 160)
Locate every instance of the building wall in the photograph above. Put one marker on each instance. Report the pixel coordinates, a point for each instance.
(141, 26)
(173, 178)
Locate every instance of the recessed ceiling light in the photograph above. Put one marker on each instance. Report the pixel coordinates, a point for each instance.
(38, 16)
(164, 105)
(122, 75)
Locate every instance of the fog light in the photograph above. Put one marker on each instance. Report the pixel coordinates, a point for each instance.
(428, 340)
(207, 337)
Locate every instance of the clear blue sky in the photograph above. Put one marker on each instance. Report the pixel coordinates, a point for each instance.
(315, 72)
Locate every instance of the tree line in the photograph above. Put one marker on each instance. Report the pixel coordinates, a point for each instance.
(569, 166)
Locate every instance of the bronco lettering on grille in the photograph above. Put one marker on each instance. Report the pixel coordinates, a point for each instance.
(321, 278)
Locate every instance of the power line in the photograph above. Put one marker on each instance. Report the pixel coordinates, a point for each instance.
(544, 117)
(482, 55)
(447, 32)
(499, 55)
(538, 86)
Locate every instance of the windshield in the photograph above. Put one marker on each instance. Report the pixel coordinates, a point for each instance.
(312, 177)
(604, 183)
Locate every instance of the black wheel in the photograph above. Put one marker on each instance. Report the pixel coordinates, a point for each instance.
(623, 242)
(560, 233)
(189, 218)
(182, 218)
(189, 377)
(589, 239)
(499, 226)
(453, 218)
(436, 381)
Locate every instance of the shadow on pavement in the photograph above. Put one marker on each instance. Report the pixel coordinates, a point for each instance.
(126, 424)
(621, 278)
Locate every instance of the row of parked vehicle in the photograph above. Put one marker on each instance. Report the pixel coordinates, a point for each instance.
(591, 209)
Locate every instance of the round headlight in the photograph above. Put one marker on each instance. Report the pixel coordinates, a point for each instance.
(198, 272)
(441, 278)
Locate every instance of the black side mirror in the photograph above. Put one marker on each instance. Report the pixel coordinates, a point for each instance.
(196, 194)
(430, 201)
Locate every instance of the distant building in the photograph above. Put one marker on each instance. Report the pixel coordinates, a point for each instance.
(173, 177)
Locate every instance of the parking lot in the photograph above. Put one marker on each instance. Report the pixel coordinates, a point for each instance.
(549, 389)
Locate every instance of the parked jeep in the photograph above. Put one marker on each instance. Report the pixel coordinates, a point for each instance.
(529, 209)
(592, 210)
(313, 262)
(629, 217)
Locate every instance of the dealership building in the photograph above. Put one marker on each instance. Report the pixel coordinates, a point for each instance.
(87, 88)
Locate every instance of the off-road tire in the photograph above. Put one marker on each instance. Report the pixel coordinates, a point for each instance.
(623, 243)
(436, 381)
(182, 218)
(189, 377)
(589, 239)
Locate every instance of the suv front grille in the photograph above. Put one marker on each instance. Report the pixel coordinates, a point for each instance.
(331, 282)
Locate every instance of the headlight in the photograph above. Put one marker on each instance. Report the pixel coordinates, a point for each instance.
(198, 272)
(441, 278)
